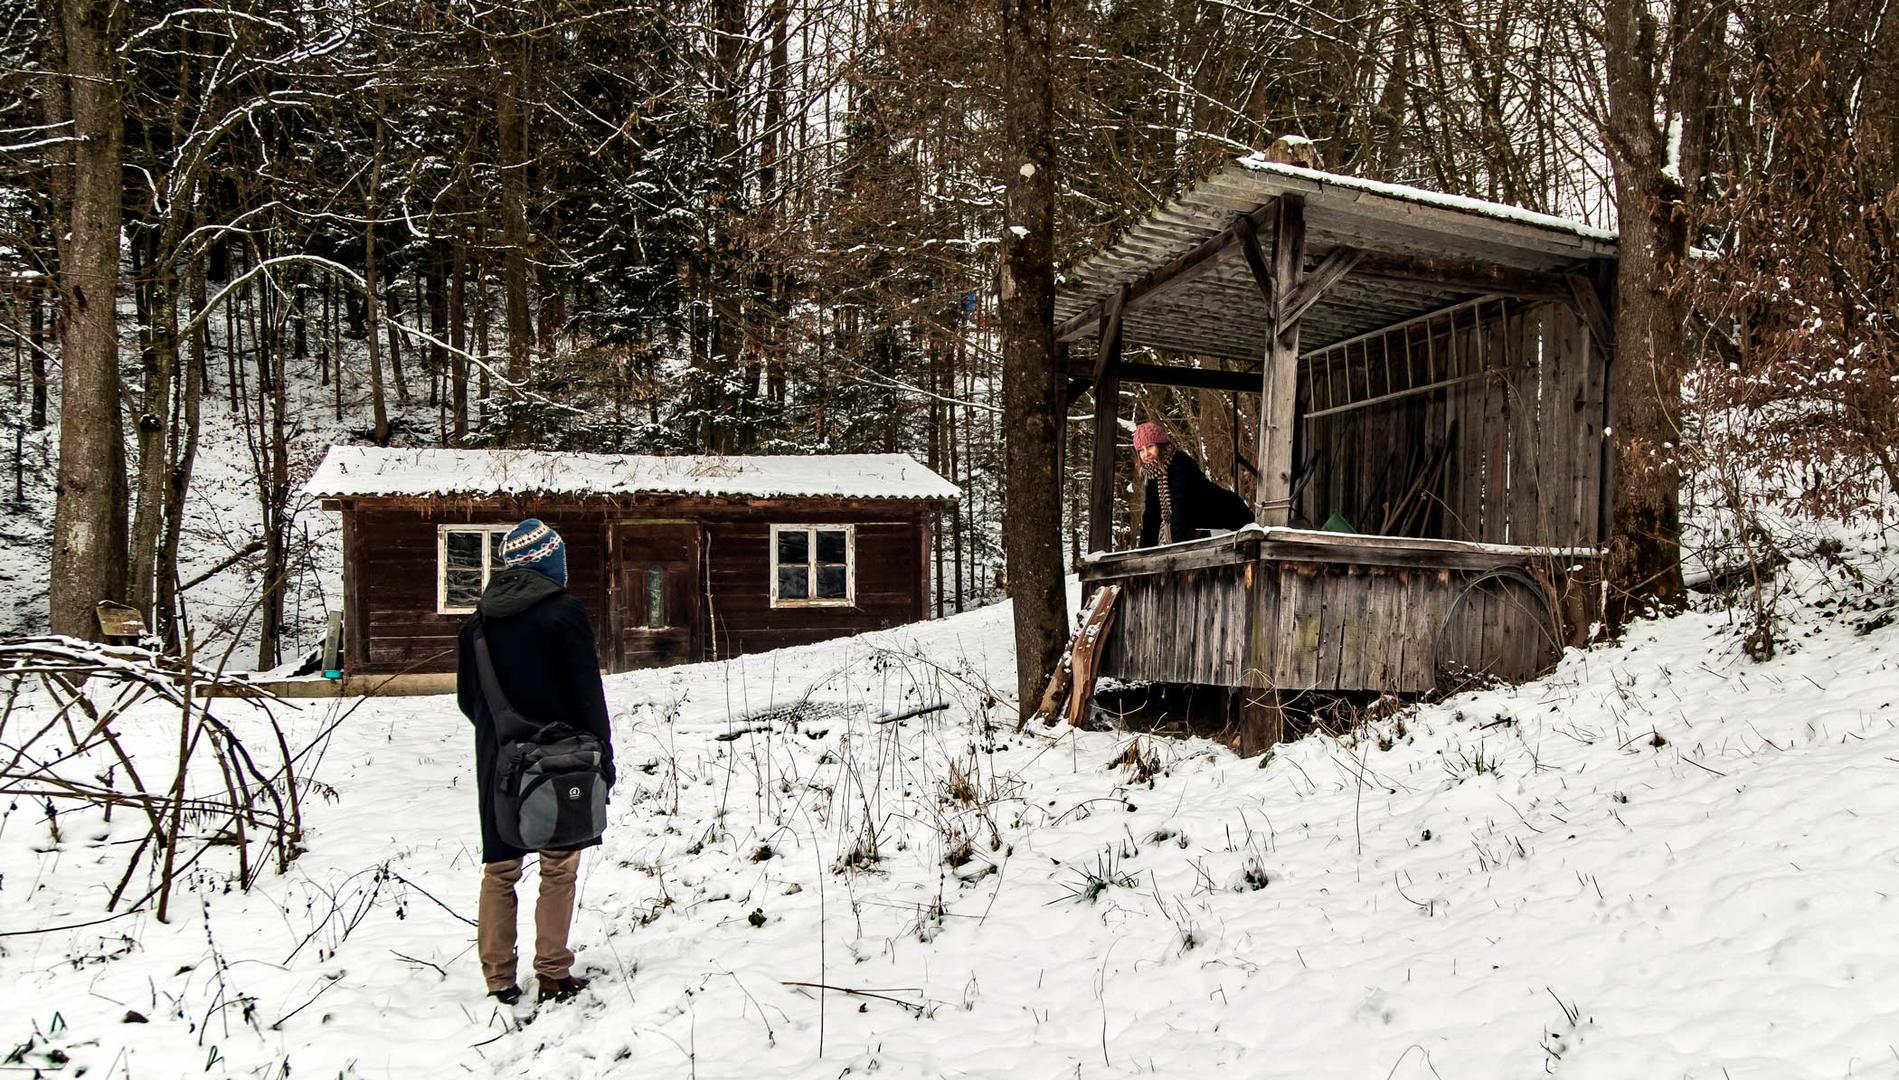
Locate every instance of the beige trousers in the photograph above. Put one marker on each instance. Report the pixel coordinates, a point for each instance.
(553, 916)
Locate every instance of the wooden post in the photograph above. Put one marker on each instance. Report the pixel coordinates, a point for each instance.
(1107, 420)
(1272, 499)
(1262, 720)
(1066, 402)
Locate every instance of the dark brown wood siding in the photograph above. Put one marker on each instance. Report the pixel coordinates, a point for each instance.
(391, 553)
(390, 571)
(738, 558)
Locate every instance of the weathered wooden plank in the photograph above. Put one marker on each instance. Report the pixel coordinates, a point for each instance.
(1280, 382)
(1589, 441)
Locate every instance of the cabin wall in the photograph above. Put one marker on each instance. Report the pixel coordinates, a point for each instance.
(389, 557)
(1509, 452)
(390, 570)
(892, 580)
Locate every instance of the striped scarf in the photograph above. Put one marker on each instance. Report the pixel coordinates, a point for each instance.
(1157, 472)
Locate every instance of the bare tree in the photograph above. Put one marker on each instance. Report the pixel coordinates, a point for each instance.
(83, 89)
(1031, 387)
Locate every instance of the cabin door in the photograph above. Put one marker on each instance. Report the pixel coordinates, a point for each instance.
(655, 593)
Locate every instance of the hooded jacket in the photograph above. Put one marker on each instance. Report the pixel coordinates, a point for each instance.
(1198, 503)
(544, 658)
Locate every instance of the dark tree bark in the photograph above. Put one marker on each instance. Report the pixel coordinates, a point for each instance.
(184, 457)
(1651, 310)
(154, 432)
(89, 518)
(378, 400)
(1031, 395)
(458, 338)
(511, 133)
(36, 340)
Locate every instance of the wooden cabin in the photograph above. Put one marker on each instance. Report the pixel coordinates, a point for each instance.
(677, 559)
(1430, 474)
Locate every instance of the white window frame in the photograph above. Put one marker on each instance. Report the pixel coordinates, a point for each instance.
(441, 563)
(849, 599)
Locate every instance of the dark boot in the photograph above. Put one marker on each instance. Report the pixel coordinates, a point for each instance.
(507, 995)
(560, 989)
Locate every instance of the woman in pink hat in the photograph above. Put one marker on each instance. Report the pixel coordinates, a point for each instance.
(1181, 502)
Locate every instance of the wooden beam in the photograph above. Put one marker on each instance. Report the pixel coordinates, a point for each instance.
(1456, 275)
(1587, 303)
(1337, 263)
(1279, 383)
(1245, 381)
(1170, 274)
(1255, 261)
(1108, 346)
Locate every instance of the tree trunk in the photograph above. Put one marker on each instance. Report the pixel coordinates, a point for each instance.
(378, 403)
(458, 338)
(273, 483)
(36, 339)
(184, 443)
(723, 288)
(511, 131)
(1644, 544)
(154, 435)
(392, 317)
(1031, 393)
(89, 526)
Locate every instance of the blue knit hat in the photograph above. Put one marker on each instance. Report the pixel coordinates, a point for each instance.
(535, 545)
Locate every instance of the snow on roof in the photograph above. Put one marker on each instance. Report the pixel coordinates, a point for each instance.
(373, 472)
(1426, 197)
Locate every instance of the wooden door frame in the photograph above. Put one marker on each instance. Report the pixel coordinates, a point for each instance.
(616, 602)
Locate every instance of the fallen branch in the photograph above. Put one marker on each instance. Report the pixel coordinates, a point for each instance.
(861, 993)
(924, 711)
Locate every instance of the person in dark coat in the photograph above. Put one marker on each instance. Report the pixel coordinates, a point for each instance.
(543, 652)
(1180, 500)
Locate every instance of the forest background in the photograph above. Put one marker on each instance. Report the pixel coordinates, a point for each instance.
(765, 226)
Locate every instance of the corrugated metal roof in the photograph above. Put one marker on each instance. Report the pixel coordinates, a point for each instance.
(1220, 312)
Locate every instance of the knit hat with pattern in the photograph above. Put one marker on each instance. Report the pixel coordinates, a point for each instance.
(535, 545)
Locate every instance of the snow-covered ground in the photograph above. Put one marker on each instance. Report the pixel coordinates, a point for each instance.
(1663, 860)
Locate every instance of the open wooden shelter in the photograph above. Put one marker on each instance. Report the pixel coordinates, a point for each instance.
(1433, 373)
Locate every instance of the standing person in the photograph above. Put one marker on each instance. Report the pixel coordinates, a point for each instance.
(1180, 501)
(542, 650)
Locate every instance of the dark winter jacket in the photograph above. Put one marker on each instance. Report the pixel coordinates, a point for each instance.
(544, 659)
(1199, 503)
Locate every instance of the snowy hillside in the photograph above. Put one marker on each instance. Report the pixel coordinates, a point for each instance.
(1663, 860)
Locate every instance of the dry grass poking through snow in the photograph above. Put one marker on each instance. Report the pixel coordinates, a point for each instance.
(1664, 860)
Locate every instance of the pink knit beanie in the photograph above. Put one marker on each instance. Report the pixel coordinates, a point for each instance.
(1150, 434)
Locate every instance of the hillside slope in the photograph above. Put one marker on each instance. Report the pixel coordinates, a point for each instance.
(1663, 860)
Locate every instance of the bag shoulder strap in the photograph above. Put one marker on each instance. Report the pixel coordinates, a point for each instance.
(510, 725)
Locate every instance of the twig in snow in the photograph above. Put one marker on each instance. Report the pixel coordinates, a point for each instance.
(1700, 766)
(924, 711)
(854, 992)
(413, 960)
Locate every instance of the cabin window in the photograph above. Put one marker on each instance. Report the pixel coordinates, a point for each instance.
(813, 566)
(466, 557)
(656, 598)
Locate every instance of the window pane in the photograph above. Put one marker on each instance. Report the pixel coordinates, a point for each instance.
(463, 550)
(831, 582)
(494, 550)
(831, 546)
(655, 597)
(793, 545)
(794, 583)
(462, 587)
